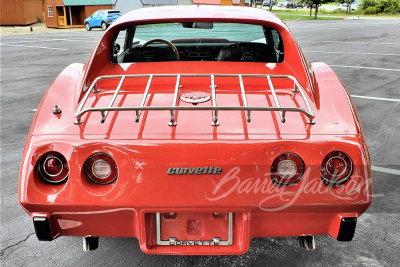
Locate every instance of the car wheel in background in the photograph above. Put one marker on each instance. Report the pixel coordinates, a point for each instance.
(104, 25)
(87, 26)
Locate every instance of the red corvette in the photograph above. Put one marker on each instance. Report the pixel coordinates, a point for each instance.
(195, 129)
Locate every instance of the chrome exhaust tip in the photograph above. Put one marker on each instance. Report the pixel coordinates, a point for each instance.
(307, 242)
(90, 243)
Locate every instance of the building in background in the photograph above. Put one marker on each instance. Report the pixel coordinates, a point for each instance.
(147, 3)
(207, 2)
(185, 2)
(20, 12)
(127, 5)
(72, 13)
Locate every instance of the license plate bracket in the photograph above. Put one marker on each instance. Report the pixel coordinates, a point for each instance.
(174, 241)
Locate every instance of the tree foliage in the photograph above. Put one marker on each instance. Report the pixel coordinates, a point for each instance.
(316, 3)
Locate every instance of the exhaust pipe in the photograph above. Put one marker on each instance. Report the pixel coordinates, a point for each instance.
(307, 242)
(90, 243)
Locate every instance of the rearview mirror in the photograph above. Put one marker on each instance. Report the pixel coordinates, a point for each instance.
(198, 25)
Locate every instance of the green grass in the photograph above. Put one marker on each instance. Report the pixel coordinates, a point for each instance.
(335, 12)
(294, 17)
(292, 11)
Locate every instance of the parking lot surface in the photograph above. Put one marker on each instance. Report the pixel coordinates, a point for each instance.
(365, 55)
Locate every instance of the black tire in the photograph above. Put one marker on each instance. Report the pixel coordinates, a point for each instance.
(104, 26)
(87, 26)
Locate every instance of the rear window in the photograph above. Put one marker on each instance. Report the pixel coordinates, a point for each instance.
(114, 12)
(200, 41)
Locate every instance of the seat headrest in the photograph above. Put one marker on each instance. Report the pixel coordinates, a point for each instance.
(248, 52)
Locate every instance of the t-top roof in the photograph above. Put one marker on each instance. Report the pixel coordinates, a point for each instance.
(202, 12)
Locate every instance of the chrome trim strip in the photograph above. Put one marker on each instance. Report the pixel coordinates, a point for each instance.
(215, 242)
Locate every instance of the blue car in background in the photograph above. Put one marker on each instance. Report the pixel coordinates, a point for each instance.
(101, 19)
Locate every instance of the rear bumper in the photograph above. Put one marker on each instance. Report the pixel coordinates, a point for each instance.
(127, 206)
(140, 223)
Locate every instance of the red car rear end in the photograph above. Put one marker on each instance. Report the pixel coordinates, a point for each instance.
(196, 157)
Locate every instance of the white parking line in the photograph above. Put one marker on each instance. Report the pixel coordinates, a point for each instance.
(85, 40)
(370, 68)
(43, 47)
(77, 40)
(329, 27)
(385, 170)
(324, 52)
(342, 42)
(376, 98)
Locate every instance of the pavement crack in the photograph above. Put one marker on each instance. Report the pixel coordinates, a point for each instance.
(2, 252)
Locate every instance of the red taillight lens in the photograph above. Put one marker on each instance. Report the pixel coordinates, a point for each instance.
(101, 168)
(53, 168)
(336, 168)
(287, 168)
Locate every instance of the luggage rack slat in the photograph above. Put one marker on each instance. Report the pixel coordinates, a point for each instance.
(104, 114)
(214, 121)
(214, 108)
(146, 92)
(244, 99)
(271, 86)
(172, 121)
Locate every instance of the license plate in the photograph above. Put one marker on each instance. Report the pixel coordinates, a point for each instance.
(190, 229)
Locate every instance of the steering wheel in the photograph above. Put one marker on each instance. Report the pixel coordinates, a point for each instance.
(171, 45)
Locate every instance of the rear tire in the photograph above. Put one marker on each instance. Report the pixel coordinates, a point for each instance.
(104, 26)
(87, 27)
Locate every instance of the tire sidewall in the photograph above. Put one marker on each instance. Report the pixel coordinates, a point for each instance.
(104, 27)
(87, 26)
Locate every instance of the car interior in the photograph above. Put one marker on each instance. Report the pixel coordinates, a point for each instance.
(269, 48)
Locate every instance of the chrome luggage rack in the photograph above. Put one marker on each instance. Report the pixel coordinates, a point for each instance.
(282, 110)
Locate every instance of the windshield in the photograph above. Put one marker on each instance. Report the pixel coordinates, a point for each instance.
(199, 41)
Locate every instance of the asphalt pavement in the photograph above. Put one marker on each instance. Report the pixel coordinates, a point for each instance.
(366, 56)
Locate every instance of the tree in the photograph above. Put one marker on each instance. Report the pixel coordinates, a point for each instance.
(348, 2)
(271, 4)
(316, 3)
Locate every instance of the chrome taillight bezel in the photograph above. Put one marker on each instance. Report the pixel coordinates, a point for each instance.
(336, 179)
(93, 177)
(300, 167)
(45, 176)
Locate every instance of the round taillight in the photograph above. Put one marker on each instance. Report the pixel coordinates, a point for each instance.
(53, 168)
(101, 168)
(336, 168)
(287, 168)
